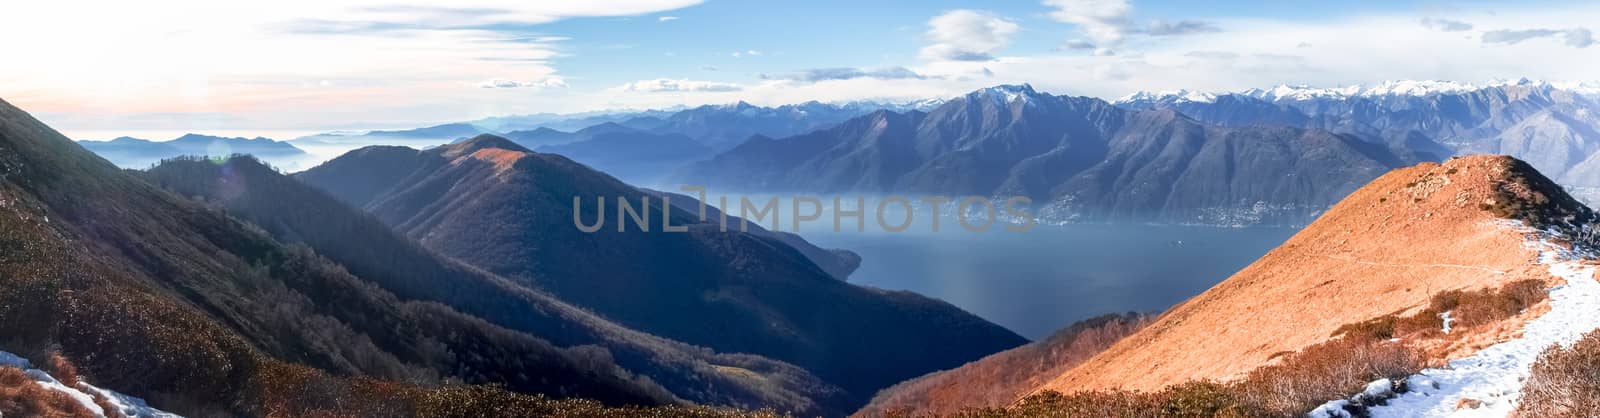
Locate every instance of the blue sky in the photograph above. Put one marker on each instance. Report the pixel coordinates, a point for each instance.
(349, 64)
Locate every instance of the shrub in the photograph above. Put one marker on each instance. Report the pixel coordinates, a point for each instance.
(1564, 382)
(1005, 376)
(1481, 307)
(1467, 309)
(62, 369)
(1331, 370)
(1359, 353)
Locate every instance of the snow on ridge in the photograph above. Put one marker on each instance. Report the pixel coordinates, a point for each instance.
(86, 394)
(1494, 376)
(1392, 88)
(1177, 96)
(1007, 93)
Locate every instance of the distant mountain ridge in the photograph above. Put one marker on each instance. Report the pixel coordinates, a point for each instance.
(1078, 158)
(1553, 126)
(129, 152)
(715, 126)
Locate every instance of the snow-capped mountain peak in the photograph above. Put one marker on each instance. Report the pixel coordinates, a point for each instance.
(1174, 96)
(1008, 93)
(1392, 88)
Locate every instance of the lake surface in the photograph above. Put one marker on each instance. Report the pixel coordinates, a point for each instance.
(1048, 277)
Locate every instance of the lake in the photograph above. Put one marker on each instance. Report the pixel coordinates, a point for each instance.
(1032, 282)
(1046, 278)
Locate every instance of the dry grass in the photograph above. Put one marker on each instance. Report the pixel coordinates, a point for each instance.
(1300, 382)
(1468, 309)
(296, 391)
(1327, 371)
(20, 396)
(1357, 354)
(63, 370)
(1565, 382)
(1378, 252)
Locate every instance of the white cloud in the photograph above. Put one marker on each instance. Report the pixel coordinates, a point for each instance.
(1108, 23)
(746, 53)
(268, 58)
(669, 85)
(666, 18)
(1575, 37)
(1104, 21)
(967, 35)
(1252, 52)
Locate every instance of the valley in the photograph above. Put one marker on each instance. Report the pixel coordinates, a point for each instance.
(815, 209)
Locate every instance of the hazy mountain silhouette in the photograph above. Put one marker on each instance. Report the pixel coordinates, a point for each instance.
(128, 152)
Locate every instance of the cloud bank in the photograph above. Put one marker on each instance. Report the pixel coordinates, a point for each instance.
(661, 85)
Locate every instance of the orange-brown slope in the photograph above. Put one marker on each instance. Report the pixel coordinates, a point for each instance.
(1386, 248)
(996, 380)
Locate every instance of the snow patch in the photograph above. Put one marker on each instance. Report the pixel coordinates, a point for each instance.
(1332, 409)
(1447, 320)
(1494, 376)
(85, 394)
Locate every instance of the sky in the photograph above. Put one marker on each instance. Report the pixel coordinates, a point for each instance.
(98, 67)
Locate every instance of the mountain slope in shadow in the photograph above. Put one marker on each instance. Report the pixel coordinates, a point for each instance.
(298, 213)
(496, 205)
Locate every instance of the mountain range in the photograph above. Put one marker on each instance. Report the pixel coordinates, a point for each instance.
(714, 126)
(161, 297)
(496, 205)
(294, 212)
(635, 155)
(223, 287)
(128, 152)
(459, 279)
(1550, 125)
(1078, 158)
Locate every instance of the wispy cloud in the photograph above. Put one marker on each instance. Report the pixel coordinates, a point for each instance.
(666, 18)
(1078, 44)
(669, 85)
(746, 53)
(266, 58)
(967, 35)
(1575, 37)
(1181, 27)
(1446, 25)
(1107, 23)
(551, 81)
(848, 73)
